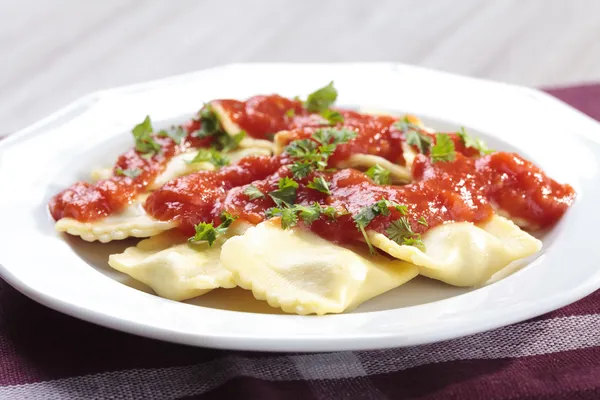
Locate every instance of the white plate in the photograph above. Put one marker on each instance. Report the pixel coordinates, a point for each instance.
(72, 276)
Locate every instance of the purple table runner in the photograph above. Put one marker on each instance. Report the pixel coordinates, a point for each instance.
(47, 355)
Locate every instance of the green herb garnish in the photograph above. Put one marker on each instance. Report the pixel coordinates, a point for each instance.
(378, 174)
(320, 184)
(312, 155)
(253, 192)
(212, 156)
(290, 113)
(401, 232)
(290, 214)
(332, 117)
(175, 133)
(422, 221)
(208, 232)
(129, 172)
(210, 126)
(321, 99)
(286, 194)
(443, 150)
(472, 142)
(413, 135)
(144, 142)
(368, 213)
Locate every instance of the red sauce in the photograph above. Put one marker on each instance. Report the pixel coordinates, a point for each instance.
(462, 190)
(87, 202)
(375, 136)
(195, 198)
(262, 116)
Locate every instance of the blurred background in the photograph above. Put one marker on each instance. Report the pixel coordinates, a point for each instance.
(54, 51)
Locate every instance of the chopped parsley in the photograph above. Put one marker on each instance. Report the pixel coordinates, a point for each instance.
(144, 142)
(443, 150)
(290, 214)
(472, 142)
(207, 232)
(227, 142)
(129, 172)
(212, 156)
(332, 117)
(368, 213)
(422, 221)
(210, 126)
(175, 133)
(286, 194)
(290, 113)
(401, 232)
(253, 192)
(312, 155)
(413, 135)
(321, 99)
(379, 175)
(320, 184)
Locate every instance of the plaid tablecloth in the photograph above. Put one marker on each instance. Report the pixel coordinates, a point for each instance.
(48, 355)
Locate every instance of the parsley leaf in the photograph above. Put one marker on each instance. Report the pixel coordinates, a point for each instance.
(368, 213)
(321, 99)
(286, 194)
(320, 184)
(309, 214)
(443, 150)
(227, 142)
(333, 136)
(422, 141)
(474, 143)
(211, 126)
(207, 232)
(253, 193)
(312, 155)
(378, 174)
(289, 216)
(291, 213)
(212, 156)
(332, 117)
(129, 172)
(413, 135)
(401, 232)
(176, 134)
(142, 134)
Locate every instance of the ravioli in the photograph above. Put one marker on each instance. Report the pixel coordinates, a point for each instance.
(463, 254)
(133, 221)
(302, 273)
(173, 268)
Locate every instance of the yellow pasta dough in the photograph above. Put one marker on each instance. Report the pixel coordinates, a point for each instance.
(463, 254)
(173, 268)
(302, 273)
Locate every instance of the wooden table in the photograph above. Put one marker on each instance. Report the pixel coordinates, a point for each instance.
(58, 50)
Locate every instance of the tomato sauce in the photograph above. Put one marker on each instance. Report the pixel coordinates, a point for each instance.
(461, 190)
(88, 202)
(195, 198)
(262, 116)
(375, 135)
